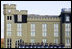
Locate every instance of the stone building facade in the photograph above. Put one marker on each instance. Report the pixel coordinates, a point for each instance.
(31, 28)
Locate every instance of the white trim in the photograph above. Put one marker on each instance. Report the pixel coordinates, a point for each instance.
(56, 26)
(44, 30)
(32, 30)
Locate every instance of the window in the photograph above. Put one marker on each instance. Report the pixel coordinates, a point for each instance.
(67, 41)
(44, 34)
(67, 18)
(55, 30)
(19, 29)
(44, 30)
(32, 29)
(56, 40)
(44, 27)
(18, 42)
(67, 33)
(19, 33)
(8, 43)
(55, 34)
(9, 17)
(67, 29)
(32, 40)
(9, 29)
(8, 33)
(44, 40)
(32, 33)
(55, 27)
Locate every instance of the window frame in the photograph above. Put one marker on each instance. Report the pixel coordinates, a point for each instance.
(44, 29)
(33, 30)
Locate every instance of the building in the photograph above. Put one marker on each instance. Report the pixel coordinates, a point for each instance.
(30, 28)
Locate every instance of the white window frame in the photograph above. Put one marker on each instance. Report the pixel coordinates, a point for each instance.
(67, 33)
(67, 18)
(8, 33)
(44, 34)
(44, 30)
(8, 26)
(44, 40)
(56, 26)
(19, 29)
(8, 29)
(32, 40)
(32, 33)
(32, 30)
(19, 33)
(55, 34)
(56, 40)
(67, 29)
(67, 41)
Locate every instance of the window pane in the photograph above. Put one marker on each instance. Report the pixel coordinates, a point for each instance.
(44, 30)
(9, 33)
(20, 33)
(8, 43)
(56, 30)
(17, 33)
(32, 41)
(32, 33)
(32, 29)
(44, 34)
(7, 17)
(44, 40)
(67, 33)
(44, 27)
(56, 34)
(56, 41)
(67, 18)
(8, 27)
(67, 41)
(67, 27)
(19, 27)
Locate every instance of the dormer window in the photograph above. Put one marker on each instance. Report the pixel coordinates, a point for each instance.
(67, 18)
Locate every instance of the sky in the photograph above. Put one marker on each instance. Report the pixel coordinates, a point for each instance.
(36, 7)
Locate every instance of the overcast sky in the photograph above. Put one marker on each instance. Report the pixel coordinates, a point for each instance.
(36, 7)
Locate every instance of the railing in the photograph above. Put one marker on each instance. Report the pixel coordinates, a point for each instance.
(42, 46)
